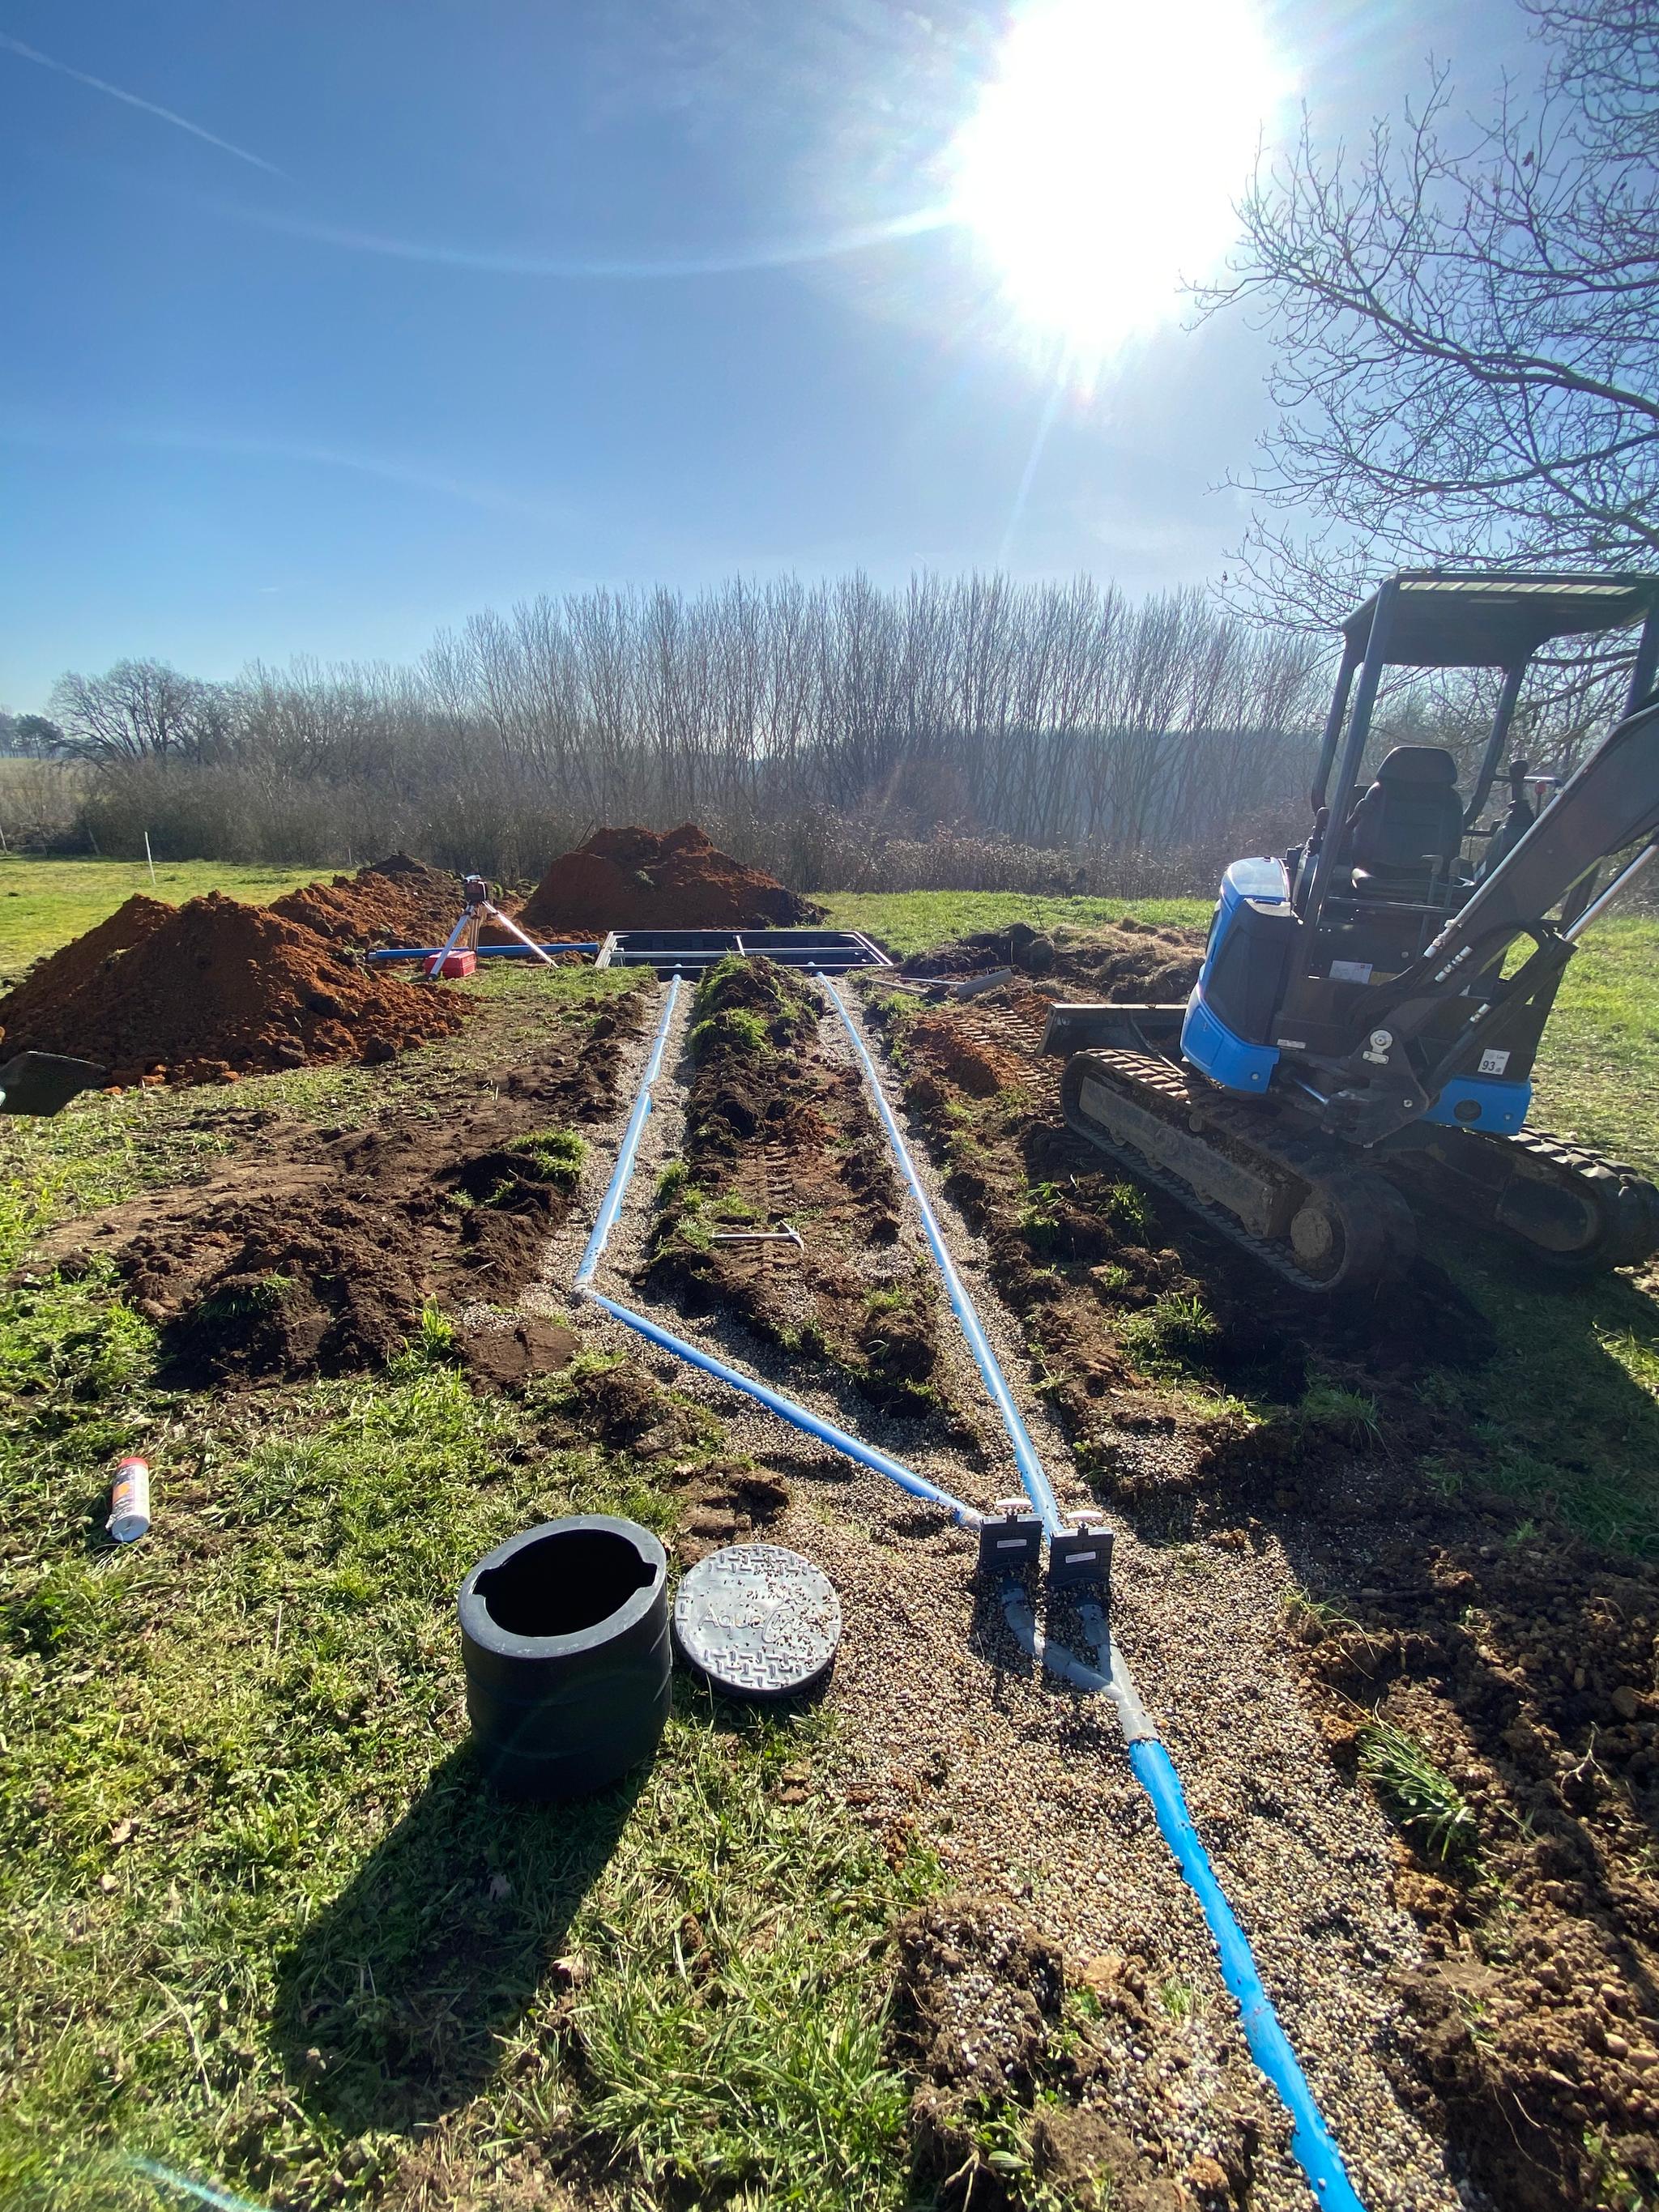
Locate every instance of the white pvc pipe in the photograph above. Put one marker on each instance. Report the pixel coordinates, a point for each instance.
(514, 930)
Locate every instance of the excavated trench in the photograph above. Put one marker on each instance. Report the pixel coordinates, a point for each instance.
(1483, 2020)
(952, 1738)
(1520, 1660)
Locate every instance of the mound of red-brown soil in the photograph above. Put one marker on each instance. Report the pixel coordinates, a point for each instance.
(396, 900)
(214, 988)
(33, 1010)
(651, 879)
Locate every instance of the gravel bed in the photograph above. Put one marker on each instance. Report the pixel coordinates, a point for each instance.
(1022, 1785)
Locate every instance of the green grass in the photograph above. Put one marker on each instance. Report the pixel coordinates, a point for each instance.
(263, 1923)
(1427, 1803)
(43, 904)
(558, 1154)
(737, 1028)
(1566, 1410)
(1165, 1336)
(1598, 1075)
(914, 922)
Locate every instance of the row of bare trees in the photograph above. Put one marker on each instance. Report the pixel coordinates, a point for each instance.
(1049, 714)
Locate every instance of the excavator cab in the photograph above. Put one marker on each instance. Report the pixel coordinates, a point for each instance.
(1359, 992)
(1383, 868)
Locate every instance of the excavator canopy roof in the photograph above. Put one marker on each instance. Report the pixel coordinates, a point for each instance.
(1445, 620)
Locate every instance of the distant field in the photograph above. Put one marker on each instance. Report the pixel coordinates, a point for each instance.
(43, 904)
(1598, 1080)
(910, 921)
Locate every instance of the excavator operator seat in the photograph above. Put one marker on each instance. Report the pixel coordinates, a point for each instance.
(1402, 839)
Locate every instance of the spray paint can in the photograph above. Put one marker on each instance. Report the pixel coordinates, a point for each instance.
(129, 1514)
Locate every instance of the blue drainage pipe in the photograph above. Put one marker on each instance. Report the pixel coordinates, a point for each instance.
(1038, 1487)
(622, 1174)
(1310, 2142)
(484, 951)
(798, 1416)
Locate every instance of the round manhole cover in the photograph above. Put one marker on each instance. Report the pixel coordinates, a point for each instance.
(759, 1621)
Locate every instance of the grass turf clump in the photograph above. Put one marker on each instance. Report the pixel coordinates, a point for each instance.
(557, 1155)
(1424, 1801)
(743, 1008)
(1170, 1332)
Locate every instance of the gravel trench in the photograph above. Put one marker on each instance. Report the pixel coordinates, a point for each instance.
(1022, 1784)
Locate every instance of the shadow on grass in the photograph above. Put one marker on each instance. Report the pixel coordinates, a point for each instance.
(1566, 1410)
(391, 2005)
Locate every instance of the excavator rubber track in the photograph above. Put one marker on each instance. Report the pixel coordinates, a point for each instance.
(1575, 1211)
(1302, 1204)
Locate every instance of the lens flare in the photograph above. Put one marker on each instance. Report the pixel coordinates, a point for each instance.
(1098, 173)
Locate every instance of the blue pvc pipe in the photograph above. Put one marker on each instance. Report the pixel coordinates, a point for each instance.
(1310, 2142)
(622, 1174)
(798, 1416)
(1038, 1487)
(484, 951)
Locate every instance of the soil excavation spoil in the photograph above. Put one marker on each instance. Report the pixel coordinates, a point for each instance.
(1495, 1681)
(637, 878)
(321, 1251)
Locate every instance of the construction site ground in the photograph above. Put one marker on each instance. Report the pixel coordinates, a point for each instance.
(1383, 1576)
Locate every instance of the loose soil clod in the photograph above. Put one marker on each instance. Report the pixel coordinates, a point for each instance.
(648, 880)
(722, 1501)
(321, 1253)
(981, 2014)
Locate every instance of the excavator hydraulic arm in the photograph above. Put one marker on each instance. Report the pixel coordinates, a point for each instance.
(1389, 1076)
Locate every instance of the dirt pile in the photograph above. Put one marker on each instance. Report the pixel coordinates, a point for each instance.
(33, 1009)
(214, 989)
(1138, 962)
(317, 1252)
(649, 879)
(396, 900)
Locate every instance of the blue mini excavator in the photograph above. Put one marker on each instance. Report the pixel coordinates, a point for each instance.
(1363, 1030)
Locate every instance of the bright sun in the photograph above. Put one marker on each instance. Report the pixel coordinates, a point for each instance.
(1100, 167)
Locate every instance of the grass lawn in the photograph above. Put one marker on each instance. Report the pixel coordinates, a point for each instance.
(1598, 1075)
(236, 1768)
(911, 921)
(43, 904)
(236, 1772)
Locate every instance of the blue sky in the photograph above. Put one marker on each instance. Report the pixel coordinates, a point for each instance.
(404, 307)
